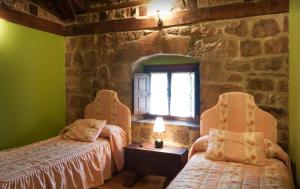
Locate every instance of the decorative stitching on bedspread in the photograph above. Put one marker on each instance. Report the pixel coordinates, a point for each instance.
(79, 149)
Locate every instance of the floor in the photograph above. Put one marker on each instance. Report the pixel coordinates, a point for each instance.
(148, 182)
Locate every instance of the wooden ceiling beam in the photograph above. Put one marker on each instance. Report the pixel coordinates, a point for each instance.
(230, 11)
(31, 21)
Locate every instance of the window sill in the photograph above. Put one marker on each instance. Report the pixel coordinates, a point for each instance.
(191, 125)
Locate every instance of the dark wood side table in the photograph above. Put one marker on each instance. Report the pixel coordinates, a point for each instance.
(145, 159)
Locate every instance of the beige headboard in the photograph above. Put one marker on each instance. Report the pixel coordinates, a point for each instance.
(237, 111)
(107, 106)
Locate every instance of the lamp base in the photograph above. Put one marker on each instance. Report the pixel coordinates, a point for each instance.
(159, 143)
(160, 22)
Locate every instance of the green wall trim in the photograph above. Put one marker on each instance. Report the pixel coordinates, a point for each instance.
(32, 97)
(294, 85)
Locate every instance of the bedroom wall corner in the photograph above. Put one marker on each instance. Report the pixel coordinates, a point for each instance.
(32, 97)
(294, 103)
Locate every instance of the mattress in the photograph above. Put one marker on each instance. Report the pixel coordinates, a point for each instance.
(202, 173)
(56, 163)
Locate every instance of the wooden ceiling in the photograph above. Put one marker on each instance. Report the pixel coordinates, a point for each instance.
(64, 9)
(68, 9)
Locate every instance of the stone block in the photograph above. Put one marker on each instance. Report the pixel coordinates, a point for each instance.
(238, 66)
(209, 3)
(123, 88)
(282, 126)
(143, 11)
(265, 28)
(131, 51)
(87, 42)
(268, 64)
(73, 115)
(234, 78)
(121, 72)
(175, 44)
(283, 86)
(277, 45)
(79, 101)
(204, 30)
(210, 93)
(72, 72)
(193, 136)
(77, 59)
(185, 30)
(104, 41)
(260, 84)
(146, 133)
(173, 31)
(72, 43)
(127, 100)
(250, 48)
(90, 59)
(119, 13)
(259, 98)
(283, 101)
(218, 49)
(238, 28)
(181, 136)
(211, 71)
(136, 132)
(68, 59)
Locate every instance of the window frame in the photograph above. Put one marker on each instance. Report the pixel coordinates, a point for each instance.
(177, 68)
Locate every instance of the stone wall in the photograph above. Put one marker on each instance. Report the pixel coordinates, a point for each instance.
(247, 54)
(175, 135)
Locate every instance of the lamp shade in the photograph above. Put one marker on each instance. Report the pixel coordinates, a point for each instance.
(159, 125)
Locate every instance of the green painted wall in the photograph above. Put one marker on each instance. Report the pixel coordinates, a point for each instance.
(32, 94)
(294, 100)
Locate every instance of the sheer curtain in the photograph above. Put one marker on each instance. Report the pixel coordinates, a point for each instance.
(159, 94)
(182, 102)
(182, 94)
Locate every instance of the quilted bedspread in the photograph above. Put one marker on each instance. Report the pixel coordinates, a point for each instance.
(57, 163)
(201, 173)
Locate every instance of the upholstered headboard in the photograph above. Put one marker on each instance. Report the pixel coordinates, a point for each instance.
(107, 106)
(237, 111)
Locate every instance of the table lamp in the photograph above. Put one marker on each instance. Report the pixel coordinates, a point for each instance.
(159, 127)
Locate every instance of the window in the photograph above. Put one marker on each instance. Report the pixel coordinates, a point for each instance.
(171, 91)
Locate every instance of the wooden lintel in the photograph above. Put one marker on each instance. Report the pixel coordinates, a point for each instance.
(230, 11)
(31, 21)
(116, 6)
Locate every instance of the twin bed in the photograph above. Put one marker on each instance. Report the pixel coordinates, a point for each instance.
(235, 112)
(59, 163)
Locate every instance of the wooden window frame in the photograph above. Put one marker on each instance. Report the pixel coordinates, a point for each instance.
(177, 68)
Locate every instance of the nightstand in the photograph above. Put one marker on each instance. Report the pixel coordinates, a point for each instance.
(145, 159)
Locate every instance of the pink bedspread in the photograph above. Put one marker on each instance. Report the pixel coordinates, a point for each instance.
(207, 174)
(58, 163)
